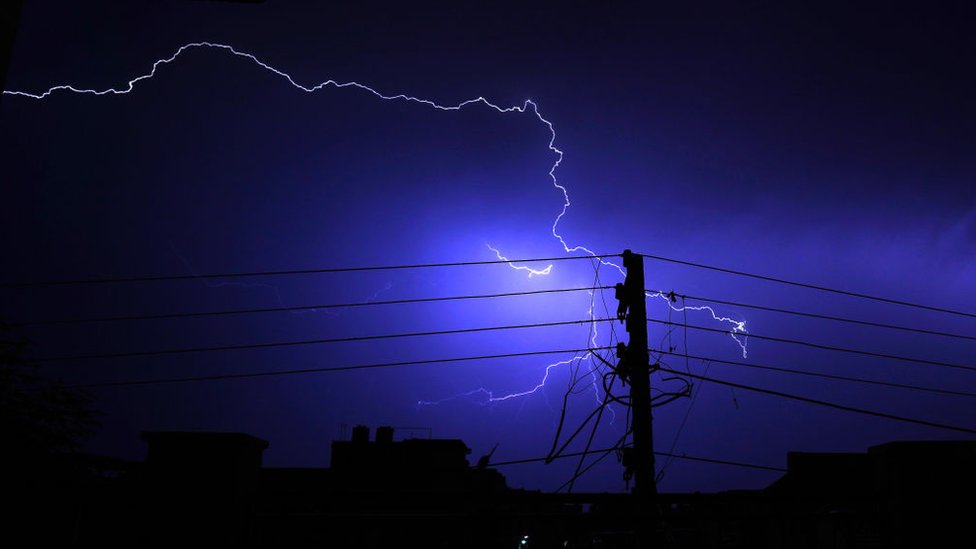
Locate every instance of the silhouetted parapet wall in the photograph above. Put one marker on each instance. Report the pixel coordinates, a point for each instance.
(386, 454)
(210, 489)
(822, 474)
(202, 465)
(199, 488)
(431, 466)
(898, 494)
(194, 451)
(893, 469)
(926, 492)
(910, 468)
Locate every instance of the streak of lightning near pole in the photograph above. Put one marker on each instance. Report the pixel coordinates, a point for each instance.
(527, 106)
(738, 327)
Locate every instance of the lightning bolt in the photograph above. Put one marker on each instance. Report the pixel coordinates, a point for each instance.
(738, 326)
(490, 397)
(528, 106)
(532, 272)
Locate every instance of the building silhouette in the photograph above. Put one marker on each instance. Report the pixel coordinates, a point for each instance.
(211, 489)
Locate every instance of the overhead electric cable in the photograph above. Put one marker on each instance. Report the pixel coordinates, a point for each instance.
(312, 341)
(721, 462)
(662, 454)
(823, 375)
(820, 316)
(829, 347)
(580, 470)
(216, 377)
(810, 286)
(546, 459)
(159, 278)
(818, 402)
(294, 308)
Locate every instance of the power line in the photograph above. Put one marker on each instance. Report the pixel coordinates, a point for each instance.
(289, 272)
(824, 403)
(823, 375)
(721, 462)
(684, 419)
(548, 459)
(580, 470)
(820, 316)
(811, 286)
(827, 347)
(216, 377)
(662, 454)
(295, 308)
(249, 346)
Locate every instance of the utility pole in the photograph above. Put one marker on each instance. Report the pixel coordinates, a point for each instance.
(636, 360)
(635, 368)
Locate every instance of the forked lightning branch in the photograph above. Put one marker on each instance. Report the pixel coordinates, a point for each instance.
(737, 328)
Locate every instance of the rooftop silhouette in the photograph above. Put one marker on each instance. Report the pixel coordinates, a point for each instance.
(210, 487)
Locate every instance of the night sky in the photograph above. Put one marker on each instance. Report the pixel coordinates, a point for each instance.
(831, 144)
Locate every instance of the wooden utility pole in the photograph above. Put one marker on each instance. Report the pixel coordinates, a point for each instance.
(638, 364)
(635, 368)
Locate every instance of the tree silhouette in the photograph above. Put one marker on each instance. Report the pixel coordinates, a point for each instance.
(43, 424)
(41, 420)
